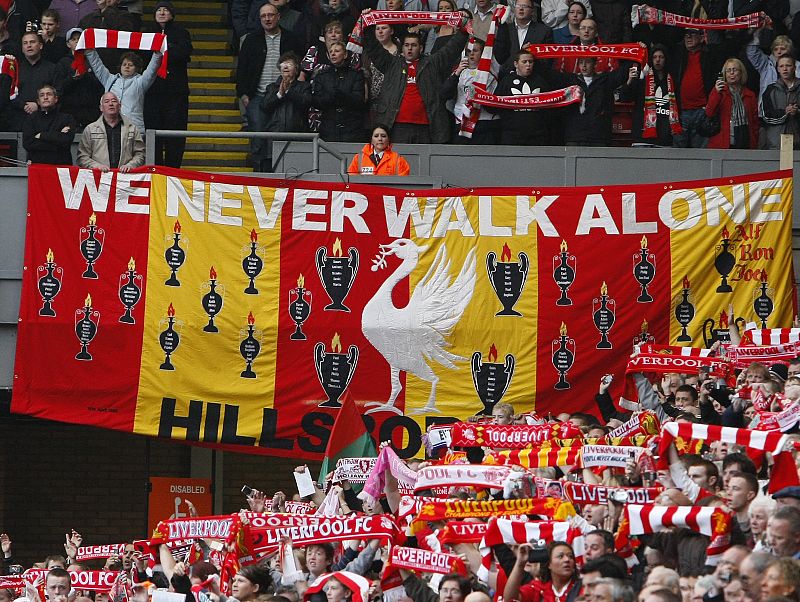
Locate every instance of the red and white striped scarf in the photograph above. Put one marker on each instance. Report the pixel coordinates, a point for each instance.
(585, 493)
(355, 43)
(643, 14)
(9, 67)
(427, 561)
(505, 530)
(781, 421)
(784, 472)
(111, 38)
(640, 519)
(771, 336)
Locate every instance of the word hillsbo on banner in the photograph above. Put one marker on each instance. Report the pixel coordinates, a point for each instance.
(343, 210)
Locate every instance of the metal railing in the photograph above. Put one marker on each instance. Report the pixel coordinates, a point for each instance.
(317, 143)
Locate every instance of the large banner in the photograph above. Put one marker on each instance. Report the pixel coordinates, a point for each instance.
(241, 312)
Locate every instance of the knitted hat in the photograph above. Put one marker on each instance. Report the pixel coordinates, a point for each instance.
(165, 4)
(355, 583)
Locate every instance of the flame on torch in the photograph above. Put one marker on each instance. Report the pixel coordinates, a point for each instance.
(212, 273)
(50, 256)
(492, 353)
(764, 277)
(336, 343)
(506, 254)
(644, 326)
(686, 281)
(563, 246)
(251, 319)
(604, 288)
(644, 242)
(723, 319)
(301, 281)
(171, 311)
(92, 219)
(253, 235)
(131, 264)
(563, 329)
(88, 300)
(177, 227)
(336, 250)
(725, 234)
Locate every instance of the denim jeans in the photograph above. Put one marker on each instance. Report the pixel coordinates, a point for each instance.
(260, 149)
(689, 138)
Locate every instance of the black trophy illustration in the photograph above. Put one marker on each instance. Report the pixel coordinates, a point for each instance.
(604, 316)
(250, 346)
(170, 337)
(644, 270)
(762, 302)
(491, 379)
(86, 327)
(92, 239)
(130, 292)
(212, 300)
(564, 266)
(337, 274)
(299, 308)
(713, 333)
(49, 283)
(684, 312)
(252, 264)
(644, 337)
(334, 370)
(724, 261)
(175, 255)
(563, 356)
(507, 278)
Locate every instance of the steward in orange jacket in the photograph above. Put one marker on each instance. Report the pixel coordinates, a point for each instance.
(366, 163)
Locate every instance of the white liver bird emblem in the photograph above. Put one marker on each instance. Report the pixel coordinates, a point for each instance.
(411, 336)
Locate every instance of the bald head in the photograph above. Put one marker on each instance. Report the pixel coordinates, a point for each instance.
(477, 597)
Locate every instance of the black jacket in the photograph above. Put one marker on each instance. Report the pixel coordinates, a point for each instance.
(339, 92)
(52, 146)
(34, 76)
(82, 92)
(507, 43)
(289, 113)
(251, 59)
(179, 47)
(593, 125)
(523, 126)
(613, 18)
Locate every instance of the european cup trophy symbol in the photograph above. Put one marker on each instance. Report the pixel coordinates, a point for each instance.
(563, 349)
(724, 261)
(175, 255)
(644, 337)
(212, 300)
(169, 338)
(762, 302)
(130, 292)
(92, 239)
(684, 312)
(299, 308)
(250, 346)
(564, 265)
(604, 316)
(252, 264)
(713, 333)
(334, 370)
(87, 320)
(644, 270)
(337, 274)
(491, 379)
(49, 283)
(507, 278)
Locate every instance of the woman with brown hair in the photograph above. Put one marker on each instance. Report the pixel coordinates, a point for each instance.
(558, 580)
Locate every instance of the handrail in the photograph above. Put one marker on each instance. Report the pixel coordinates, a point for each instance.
(317, 142)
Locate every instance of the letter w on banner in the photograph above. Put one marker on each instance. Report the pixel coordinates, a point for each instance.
(240, 312)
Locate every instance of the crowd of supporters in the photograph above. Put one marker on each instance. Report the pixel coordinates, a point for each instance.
(717, 88)
(704, 506)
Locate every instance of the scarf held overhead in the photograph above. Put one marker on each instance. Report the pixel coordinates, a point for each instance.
(647, 15)
(541, 100)
(92, 39)
(625, 52)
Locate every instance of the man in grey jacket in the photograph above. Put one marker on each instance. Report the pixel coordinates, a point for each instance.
(409, 102)
(112, 141)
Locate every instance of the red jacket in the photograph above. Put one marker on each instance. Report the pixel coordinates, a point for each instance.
(720, 104)
(391, 164)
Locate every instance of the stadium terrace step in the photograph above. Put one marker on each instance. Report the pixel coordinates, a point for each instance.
(215, 116)
(213, 102)
(215, 127)
(208, 61)
(220, 168)
(210, 74)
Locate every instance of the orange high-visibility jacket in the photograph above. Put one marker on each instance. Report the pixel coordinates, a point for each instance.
(391, 164)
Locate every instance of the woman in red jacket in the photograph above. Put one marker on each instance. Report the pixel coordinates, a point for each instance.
(377, 157)
(737, 107)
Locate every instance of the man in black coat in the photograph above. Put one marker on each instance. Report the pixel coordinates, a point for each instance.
(523, 29)
(34, 73)
(48, 133)
(258, 67)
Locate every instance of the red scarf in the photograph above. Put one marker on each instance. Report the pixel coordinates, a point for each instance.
(9, 67)
(111, 38)
(626, 52)
(427, 561)
(652, 16)
(541, 100)
(771, 336)
(516, 436)
(649, 129)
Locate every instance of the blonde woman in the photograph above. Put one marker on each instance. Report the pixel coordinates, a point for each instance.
(736, 106)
